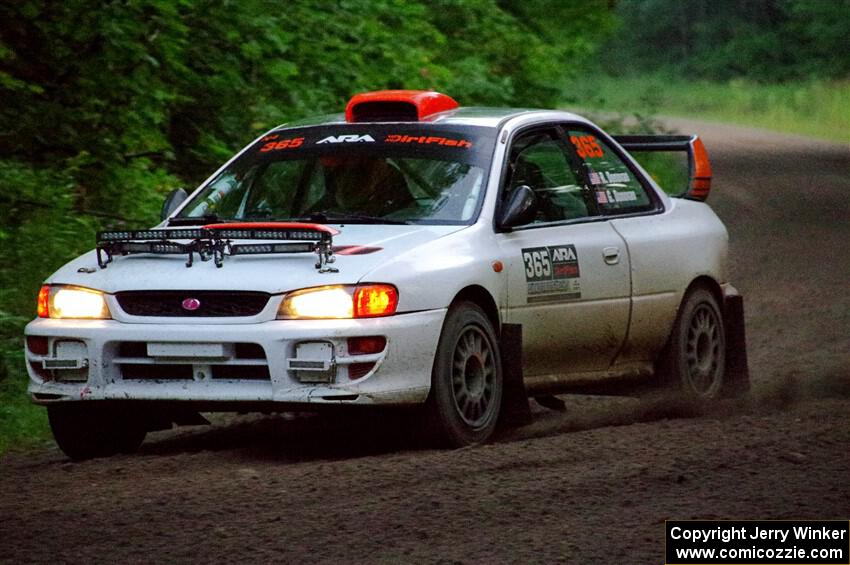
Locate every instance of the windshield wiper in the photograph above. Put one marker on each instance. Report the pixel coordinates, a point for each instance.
(326, 216)
(196, 220)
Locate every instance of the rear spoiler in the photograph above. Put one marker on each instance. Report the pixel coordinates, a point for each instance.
(698, 166)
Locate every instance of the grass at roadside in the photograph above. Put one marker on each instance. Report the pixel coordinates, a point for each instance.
(815, 108)
(22, 424)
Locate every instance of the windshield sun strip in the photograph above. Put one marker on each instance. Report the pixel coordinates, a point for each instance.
(482, 139)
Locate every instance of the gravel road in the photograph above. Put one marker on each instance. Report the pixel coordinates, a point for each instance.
(593, 484)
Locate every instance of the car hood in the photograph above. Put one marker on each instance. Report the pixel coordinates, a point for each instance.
(267, 273)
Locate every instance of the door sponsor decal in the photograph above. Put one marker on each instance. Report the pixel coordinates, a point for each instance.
(552, 273)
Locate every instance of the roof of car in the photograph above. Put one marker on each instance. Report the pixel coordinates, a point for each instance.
(464, 115)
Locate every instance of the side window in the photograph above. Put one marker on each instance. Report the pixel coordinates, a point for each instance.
(614, 186)
(539, 160)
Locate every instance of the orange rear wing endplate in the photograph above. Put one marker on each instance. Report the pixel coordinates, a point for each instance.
(699, 167)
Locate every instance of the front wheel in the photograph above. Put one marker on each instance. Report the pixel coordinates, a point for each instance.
(466, 383)
(83, 430)
(695, 357)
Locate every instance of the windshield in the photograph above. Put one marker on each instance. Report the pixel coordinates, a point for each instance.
(380, 173)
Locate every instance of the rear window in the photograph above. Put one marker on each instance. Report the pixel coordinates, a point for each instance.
(354, 172)
(669, 169)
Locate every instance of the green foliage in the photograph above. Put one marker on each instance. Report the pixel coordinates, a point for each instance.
(765, 40)
(21, 423)
(814, 108)
(109, 105)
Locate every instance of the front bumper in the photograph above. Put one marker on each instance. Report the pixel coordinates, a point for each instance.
(400, 374)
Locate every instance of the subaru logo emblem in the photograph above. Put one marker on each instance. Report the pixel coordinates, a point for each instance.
(191, 304)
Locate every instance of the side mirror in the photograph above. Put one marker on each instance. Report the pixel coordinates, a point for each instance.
(174, 199)
(520, 207)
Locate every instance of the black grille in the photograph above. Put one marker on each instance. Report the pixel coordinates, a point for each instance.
(212, 303)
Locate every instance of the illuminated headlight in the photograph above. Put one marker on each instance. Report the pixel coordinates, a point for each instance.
(324, 302)
(71, 302)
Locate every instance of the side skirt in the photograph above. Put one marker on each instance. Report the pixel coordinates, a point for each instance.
(631, 379)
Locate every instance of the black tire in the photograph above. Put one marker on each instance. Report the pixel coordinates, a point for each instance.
(466, 380)
(694, 359)
(84, 430)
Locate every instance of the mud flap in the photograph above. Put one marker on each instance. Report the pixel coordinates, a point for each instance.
(737, 368)
(515, 410)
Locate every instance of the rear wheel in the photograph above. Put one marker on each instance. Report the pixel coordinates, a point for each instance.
(83, 430)
(466, 384)
(695, 357)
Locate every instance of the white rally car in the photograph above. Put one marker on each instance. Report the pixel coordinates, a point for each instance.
(408, 252)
